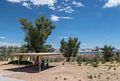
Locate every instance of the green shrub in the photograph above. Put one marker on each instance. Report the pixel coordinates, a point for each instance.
(108, 53)
(98, 76)
(95, 64)
(65, 78)
(95, 76)
(79, 60)
(107, 78)
(117, 56)
(114, 68)
(110, 67)
(90, 76)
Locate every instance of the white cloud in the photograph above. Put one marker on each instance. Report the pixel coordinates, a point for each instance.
(67, 9)
(57, 18)
(35, 2)
(14, 1)
(9, 44)
(43, 2)
(17, 1)
(77, 4)
(67, 6)
(52, 8)
(27, 5)
(2, 37)
(112, 3)
(65, 37)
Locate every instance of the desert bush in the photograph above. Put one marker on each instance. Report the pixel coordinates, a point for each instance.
(79, 60)
(56, 78)
(88, 60)
(84, 59)
(107, 78)
(90, 76)
(95, 64)
(65, 78)
(108, 53)
(114, 68)
(55, 60)
(95, 76)
(117, 56)
(98, 76)
(110, 67)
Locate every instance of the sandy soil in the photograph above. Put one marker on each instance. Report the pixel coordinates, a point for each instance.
(4, 66)
(68, 72)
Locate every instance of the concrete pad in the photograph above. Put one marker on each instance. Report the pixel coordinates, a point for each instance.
(8, 79)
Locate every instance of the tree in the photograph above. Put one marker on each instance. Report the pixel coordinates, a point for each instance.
(36, 35)
(5, 52)
(70, 48)
(108, 53)
(23, 49)
(48, 48)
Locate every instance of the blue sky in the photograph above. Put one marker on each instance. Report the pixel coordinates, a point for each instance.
(94, 22)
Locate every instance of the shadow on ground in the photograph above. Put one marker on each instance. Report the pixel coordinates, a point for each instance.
(29, 69)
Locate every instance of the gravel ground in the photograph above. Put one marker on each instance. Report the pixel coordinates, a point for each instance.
(70, 72)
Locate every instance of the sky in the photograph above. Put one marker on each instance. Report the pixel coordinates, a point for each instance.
(94, 22)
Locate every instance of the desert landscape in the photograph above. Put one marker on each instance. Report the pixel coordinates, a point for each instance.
(67, 72)
(59, 40)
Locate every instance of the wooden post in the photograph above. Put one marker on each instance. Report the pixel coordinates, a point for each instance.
(18, 62)
(39, 65)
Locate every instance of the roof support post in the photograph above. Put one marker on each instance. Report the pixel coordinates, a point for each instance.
(39, 65)
(18, 63)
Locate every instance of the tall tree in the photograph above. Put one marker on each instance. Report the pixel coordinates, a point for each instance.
(48, 48)
(108, 53)
(70, 48)
(36, 35)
